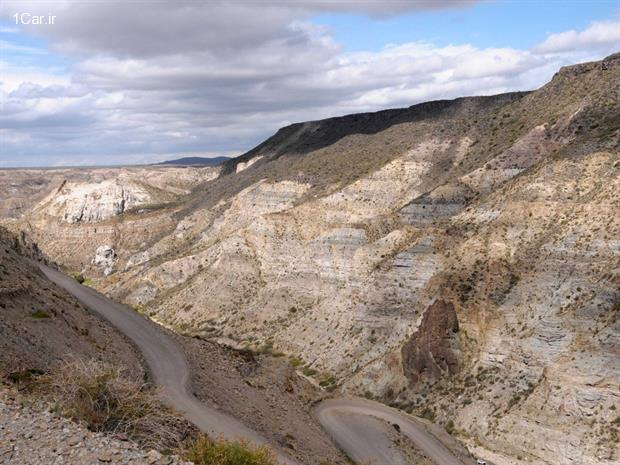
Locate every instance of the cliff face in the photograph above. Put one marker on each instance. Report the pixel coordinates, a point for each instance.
(75, 212)
(457, 259)
(433, 351)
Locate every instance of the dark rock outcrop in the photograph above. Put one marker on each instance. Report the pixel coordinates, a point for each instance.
(433, 351)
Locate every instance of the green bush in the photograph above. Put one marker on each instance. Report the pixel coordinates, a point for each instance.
(40, 314)
(309, 371)
(79, 277)
(450, 428)
(204, 451)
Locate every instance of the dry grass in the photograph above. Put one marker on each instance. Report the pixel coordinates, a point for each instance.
(105, 399)
(204, 451)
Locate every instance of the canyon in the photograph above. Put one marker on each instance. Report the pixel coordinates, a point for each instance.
(458, 259)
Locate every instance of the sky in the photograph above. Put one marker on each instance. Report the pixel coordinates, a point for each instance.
(136, 81)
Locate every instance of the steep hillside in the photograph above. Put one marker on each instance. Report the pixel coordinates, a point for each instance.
(458, 259)
(40, 324)
(42, 328)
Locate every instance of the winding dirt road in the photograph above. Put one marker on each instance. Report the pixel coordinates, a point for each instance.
(354, 424)
(166, 362)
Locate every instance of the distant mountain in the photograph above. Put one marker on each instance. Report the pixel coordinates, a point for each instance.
(194, 161)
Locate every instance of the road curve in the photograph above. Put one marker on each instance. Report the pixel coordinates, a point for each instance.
(166, 362)
(349, 422)
(352, 423)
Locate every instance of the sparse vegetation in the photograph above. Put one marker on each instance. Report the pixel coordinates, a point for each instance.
(23, 377)
(204, 451)
(514, 400)
(450, 428)
(140, 309)
(79, 277)
(428, 413)
(329, 383)
(106, 399)
(40, 314)
(308, 371)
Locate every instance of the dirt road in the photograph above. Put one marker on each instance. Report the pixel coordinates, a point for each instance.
(165, 360)
(353, 423)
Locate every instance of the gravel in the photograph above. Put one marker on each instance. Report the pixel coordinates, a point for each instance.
(32, 437)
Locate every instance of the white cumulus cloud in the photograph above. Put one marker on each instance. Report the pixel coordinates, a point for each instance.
(599, 34)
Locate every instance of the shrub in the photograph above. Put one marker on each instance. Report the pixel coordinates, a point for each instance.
(204, 451)
(428, 414)
(309, 371)
(514, 400)
(105, 400)
(450, 428)
(79, 277)
(23, 378)
(40, 314)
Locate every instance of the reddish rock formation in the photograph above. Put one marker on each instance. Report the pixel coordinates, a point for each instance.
(433, 351)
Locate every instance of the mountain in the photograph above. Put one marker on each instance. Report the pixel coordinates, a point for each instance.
(457, 259)
(196, 161)
(95, 193)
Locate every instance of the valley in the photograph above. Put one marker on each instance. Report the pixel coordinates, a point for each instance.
(457, 260)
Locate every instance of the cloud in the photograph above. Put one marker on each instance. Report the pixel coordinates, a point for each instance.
(602, 34)
(198, 78)
(13, 76)
(147, 29)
